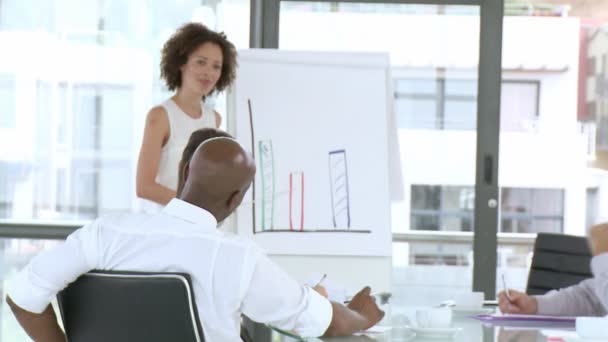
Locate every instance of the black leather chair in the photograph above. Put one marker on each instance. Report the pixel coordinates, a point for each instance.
(130, 307)
(559, 261)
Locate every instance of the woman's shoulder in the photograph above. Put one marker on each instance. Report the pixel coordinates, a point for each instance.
(164, 108)
(157, 117)
(158, 112)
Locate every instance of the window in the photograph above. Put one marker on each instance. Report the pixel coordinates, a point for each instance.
(88, 131)
(437, 207)
(74, 144)
(532, 210)
(416, 103)
(591, 66)
(450, 104)
(519, 105)
(7, 101)
(602, 133)
(460, 101)
(591, 111)
(86, 105)
(450, 208)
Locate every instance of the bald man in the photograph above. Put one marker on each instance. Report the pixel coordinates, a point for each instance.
(230, 275)
(196, 139)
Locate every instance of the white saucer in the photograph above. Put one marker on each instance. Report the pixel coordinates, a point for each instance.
(435, 332)
(458, 312)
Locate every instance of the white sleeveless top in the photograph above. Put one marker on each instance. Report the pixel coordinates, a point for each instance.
(181, 126)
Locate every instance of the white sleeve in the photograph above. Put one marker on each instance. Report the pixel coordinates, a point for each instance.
(587, 298)
(275, 298)
(599, 267)
(35, 286)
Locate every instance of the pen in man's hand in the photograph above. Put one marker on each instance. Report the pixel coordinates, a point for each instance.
(321, 280)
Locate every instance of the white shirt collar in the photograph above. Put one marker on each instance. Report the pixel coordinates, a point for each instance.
(190, 213)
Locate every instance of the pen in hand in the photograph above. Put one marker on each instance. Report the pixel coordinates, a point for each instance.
(507, 293)
(320, 289)
(505, 288)
(321, 280)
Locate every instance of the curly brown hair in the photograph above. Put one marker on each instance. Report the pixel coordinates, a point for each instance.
(183, 42)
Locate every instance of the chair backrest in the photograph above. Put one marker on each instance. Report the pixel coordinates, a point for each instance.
(559, 261)
(130, 307)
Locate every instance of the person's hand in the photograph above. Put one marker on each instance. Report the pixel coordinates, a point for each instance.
(517, 303)
(598, 239)
(321, 290)
(366, 306)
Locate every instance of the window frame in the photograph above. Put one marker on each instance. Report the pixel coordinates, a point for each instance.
(441, 96)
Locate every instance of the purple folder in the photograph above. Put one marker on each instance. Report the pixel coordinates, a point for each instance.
(525, 319)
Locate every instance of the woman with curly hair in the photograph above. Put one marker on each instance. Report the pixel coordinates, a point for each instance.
(195, 63)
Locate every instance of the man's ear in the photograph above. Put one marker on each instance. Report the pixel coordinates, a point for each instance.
(186, 171)
(234, 200)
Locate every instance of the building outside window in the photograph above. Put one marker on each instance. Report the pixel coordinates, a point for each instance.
(532, 210)
(523, 210)
(450, 104)
(446, 208)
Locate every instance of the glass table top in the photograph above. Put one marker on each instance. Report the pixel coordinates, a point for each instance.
(400, 326)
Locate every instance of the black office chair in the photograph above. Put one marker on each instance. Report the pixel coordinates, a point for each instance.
(130, 307)
(559, 261)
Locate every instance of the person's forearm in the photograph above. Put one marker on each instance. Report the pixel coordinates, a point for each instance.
(576, 300)
(156, 193)
(41, 327)
(345, 321)
(599, 265)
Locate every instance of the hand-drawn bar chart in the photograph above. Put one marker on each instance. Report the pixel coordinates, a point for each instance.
(267, 171)
(340, 201)
(290, 199)
(325, 172)
(296, 201)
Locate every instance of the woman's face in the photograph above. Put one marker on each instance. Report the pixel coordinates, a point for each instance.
(202, 69)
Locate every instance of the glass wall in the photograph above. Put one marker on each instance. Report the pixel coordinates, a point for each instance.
(551, 174)
(435, 106)
(450, 260)
(76, 81)
(554, 164)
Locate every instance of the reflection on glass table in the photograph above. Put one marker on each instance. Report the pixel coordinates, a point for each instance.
(463, 329)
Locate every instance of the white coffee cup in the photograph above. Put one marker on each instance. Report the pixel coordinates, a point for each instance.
(592, 327)
(434, 317)
(468, 300)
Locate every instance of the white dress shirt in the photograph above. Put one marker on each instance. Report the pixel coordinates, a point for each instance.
(230, 275)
